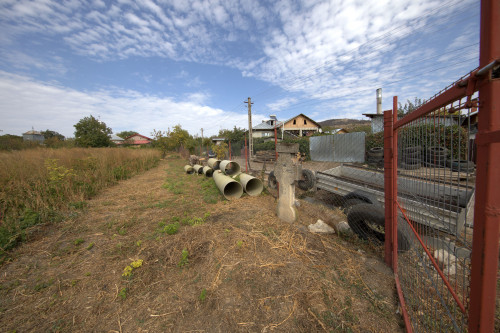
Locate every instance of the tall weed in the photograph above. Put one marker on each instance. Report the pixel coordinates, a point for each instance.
(36, 184)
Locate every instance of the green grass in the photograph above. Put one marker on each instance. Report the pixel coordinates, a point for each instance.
(184, 258)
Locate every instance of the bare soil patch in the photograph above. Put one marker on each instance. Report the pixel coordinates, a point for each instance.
(245, 270)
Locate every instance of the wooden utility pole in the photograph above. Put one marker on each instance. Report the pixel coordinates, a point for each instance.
(250, 138)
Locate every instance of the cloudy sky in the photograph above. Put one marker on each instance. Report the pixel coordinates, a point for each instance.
(151, 64)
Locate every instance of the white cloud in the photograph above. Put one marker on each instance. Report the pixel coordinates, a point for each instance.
(25, 102)
(281, 103)
(340, 49)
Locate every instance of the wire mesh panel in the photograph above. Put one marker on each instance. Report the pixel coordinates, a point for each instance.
(321, 148)
(349, 147)
(435, 198)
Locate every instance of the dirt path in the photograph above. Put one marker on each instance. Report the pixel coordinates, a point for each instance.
(243, 269)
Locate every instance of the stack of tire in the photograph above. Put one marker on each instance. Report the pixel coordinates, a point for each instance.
(410, 158)
(375, 156)
(436, 157)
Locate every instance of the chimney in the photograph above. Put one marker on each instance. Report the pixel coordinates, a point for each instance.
(379, 101)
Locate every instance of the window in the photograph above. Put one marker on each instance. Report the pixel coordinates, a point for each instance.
(295, 121)
(305, 122)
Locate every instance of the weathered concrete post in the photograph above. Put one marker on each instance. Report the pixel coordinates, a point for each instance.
(287, 170)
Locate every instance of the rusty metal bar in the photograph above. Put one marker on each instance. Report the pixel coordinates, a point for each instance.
(448, 96)
(433, 261)
(484, 263)
(404, 311)
(276, 142)
(487, 68)
(394, 228)
(388, 184)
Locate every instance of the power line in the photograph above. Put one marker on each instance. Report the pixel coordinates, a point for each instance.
(302, 77)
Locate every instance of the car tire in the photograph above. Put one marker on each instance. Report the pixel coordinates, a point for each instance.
(368, 221)
(272, 182)
(406, 166)
(376, 152)
(308, 182)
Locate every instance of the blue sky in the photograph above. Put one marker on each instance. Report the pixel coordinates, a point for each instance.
(151, 64)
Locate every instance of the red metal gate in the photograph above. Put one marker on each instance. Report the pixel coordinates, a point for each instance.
(442, 210)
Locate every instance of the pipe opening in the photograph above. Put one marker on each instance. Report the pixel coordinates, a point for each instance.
(233, 190)
(208, 171)
(189, 169)
(232, 169)
(254, 187)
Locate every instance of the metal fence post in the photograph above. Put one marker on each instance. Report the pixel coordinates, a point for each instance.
(394, 160)
(487, 206)
(388, 185)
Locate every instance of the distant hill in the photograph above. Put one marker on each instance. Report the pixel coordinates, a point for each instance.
(343, 123)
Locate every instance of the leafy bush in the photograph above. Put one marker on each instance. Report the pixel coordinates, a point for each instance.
(171, 228)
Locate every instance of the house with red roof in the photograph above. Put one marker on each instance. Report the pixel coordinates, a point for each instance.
(137, 140)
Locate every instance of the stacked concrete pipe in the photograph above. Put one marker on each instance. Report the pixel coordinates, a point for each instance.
(208, 171)
(188, 169)
(230, 188)
(198, 168)
(252, 186)
(230, 168)
(213, 163)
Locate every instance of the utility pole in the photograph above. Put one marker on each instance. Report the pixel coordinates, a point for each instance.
(250, 138)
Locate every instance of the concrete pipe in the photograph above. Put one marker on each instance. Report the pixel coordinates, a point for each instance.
(198, 169)
(230, 168)
(188, 169)
(213, 163)
(252, 186)
(208, 171)
(230, 188)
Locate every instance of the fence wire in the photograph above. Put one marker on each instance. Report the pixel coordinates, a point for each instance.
(436, 178)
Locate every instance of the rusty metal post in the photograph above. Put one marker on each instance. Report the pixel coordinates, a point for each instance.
(388, 181)
(394, 207)
(275, 142)
(484, 263)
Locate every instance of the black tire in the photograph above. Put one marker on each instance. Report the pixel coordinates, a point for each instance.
(362, 195)
(368, 222)
(412, 150)
(349, 203)
(376, 152)
(271, 181)
(405, 166)
(308, 182)
(437, 150)
(460, 165)
(411, 160)
(374, 160)
(413, 155)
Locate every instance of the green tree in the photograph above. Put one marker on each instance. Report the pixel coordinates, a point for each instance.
(125, 134)
(91, 132)
(409, 106)
(236, 134)
(220, 150)
(48, 134)
(172, 140)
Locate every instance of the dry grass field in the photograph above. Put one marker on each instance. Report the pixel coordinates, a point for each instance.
(41, 185)
(164, 252)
